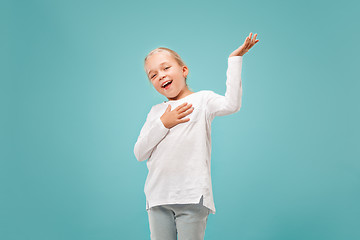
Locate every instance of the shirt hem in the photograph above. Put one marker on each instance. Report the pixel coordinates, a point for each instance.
(182, 201)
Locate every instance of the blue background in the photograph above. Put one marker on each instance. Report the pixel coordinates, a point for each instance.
(74, 97)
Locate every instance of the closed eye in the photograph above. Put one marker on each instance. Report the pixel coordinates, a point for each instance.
(155, 74)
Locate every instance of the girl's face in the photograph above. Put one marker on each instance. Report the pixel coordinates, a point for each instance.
(161, 68)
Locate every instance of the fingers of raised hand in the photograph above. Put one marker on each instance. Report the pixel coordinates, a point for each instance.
(253, 41)
(250, 42)
(247, 42)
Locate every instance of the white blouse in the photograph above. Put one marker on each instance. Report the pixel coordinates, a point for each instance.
(179, 158)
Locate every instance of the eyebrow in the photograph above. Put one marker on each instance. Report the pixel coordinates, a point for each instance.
(160, 64)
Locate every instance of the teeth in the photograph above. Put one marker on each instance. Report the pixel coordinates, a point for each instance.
(165, 83)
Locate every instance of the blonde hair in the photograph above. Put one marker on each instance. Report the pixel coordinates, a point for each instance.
(172, 53)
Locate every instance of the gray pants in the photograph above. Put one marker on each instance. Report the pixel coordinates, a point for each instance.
(187, 221)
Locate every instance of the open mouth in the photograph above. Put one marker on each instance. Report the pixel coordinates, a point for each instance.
(167, 84)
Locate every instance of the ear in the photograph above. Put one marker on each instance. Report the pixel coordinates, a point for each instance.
(185, 71)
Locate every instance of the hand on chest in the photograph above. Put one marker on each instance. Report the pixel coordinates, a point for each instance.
(184, 111)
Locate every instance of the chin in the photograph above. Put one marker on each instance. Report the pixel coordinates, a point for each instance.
(173, 95)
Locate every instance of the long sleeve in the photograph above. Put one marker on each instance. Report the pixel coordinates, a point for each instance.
(151, 134)
(218, 105)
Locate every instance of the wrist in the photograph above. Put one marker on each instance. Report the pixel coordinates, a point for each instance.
(164, 123)
(238, 54)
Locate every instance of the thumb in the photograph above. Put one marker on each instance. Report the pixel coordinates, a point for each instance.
(168, 108)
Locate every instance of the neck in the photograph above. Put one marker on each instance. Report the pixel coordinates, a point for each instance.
(183, 93)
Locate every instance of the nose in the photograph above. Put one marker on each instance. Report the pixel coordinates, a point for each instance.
(162, 75)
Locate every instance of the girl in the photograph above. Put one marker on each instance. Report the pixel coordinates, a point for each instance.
(175, 140)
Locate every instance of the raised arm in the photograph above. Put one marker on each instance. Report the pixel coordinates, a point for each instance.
(218, 105)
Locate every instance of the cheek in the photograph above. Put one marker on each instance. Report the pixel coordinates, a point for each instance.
(158, 87)
(155, 86)
(181, 83)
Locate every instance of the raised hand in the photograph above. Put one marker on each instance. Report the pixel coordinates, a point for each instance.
(249, 43)
(174, 117)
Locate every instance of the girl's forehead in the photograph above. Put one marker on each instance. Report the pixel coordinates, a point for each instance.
(157, 59)
(160, 56)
